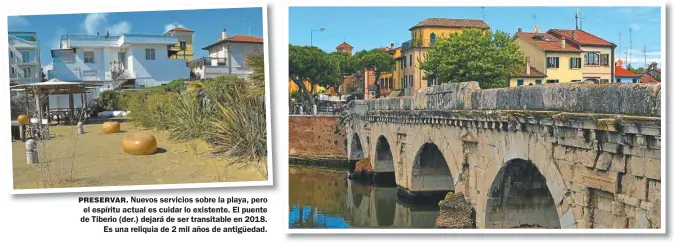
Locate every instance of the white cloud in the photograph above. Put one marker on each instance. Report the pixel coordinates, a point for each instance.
(47, 68)
(97, 23)
(17, 22)
(635, 26)
(56, 42)
(172, 26)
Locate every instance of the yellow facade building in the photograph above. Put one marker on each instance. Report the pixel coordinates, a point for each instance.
(548, 59)
(423, 35)
(398, 69)
(598, 54)
(182, 50)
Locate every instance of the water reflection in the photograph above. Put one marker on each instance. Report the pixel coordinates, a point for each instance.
(321, 198)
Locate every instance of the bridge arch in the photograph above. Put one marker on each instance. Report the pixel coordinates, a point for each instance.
(383, 156)
(430, 170)
(520, 196)
(356, 150)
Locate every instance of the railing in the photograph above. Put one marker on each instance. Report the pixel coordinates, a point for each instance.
(89, 38)
(418, 43)
(209, 62)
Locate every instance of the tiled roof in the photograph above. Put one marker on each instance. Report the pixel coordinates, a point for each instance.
(245, 38)
(547, 42)
(582, 37)
(533, 73)
(621, 72)
(181, 29)
(237, 38)
(648, 79)
(344, 45)
(457, 23)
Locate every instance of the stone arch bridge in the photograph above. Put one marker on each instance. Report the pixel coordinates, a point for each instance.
(553, 156)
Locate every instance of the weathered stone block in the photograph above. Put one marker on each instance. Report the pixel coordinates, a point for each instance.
(584, 156)
(604, 161)
(620, 223)
(642, 219)
(652, 168)
(632, 201)
(634, 186)
(566, 169)
(603, 180)
(630, 211)
(618, 163)
(559, 152)
(654, 191)
(603, 218)
(648, 206)
(604, 204)
(617, 208)
(635, 165)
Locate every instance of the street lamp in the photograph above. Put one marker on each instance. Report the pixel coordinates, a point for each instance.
(312, 34)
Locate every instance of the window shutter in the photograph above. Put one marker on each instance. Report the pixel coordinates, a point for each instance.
(571, 63)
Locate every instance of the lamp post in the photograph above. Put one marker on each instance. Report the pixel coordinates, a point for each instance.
(312, 34)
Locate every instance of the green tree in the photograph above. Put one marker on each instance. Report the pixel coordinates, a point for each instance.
(347, 64)
(313, 64)
(256, 61)
(634, 70)
(376, 60)
(490, 59)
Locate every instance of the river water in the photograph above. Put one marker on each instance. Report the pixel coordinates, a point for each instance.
(325, 198)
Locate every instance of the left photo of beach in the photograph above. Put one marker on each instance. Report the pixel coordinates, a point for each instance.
(154, 99)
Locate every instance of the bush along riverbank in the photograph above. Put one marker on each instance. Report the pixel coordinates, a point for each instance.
(227, 112)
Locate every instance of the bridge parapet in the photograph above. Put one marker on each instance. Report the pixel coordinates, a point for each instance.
(622, 99)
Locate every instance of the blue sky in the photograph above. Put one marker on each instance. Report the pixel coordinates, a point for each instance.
(370, 27)
(207, 25)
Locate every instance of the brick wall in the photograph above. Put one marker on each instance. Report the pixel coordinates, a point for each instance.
(315, 137)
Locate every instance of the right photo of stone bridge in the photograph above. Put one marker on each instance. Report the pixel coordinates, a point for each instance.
(476, 117)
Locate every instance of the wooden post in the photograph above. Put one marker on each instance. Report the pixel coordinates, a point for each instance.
(71, 105)
(38, 106)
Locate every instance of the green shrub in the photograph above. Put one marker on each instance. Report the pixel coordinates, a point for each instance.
(185, 120)
(109, 100)
(240, 128)
(149, 108)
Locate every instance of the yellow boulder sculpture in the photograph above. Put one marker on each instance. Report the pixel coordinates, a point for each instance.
(22, 119)
(110, 127)
(139, 144)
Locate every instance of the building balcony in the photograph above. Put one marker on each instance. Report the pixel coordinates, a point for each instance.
(414, 43)
(208, 62)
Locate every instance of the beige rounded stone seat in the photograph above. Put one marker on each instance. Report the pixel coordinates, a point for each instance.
(110, 127)
(139, 144)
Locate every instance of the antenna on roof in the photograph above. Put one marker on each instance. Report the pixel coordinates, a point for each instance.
(483, 14)
(534, 18)
(630, 50)
(248, 21)
(645, 64)
(576, 17)
(620, 34)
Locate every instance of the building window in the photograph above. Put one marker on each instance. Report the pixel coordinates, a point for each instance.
(183, 45)
(635, 80)
(553, 81)
(575, 81)
(88, 57)
(604, 81)
(64, 56)
(591, 58)
(404, 62)
(553, 62)
(405, 81)
(11, 70)
(538, 81)
(617, 80)
(520, 82)
(604, 59)
(25, 56)
(432, 38)
(11, 54)
(411, 61)
(26, 72)
(149, 54)
(411, 80)
(575, 62)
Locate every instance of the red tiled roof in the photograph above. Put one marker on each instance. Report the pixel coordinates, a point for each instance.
(648, 79)
(547, 42)
(582, 37)
(533, 73)
(181, 29)
(456, 23)
(621, 72)
(245, 38)
(344, 45)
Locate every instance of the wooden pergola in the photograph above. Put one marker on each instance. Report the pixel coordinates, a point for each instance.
(55, 87)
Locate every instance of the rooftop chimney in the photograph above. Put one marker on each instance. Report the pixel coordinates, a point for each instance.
(519, 30)
(563, 42)
(528, 67)
(224, 34)
(536, 29)
(573, 34)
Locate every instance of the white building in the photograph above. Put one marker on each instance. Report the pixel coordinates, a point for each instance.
(24, 58)
(227, 56)
(116, 61)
